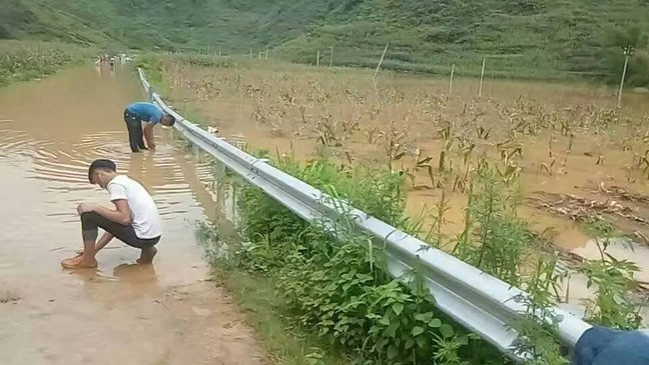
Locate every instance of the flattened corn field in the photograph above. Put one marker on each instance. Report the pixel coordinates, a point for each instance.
(570, 154)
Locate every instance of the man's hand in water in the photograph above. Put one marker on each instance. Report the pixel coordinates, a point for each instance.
(86, 208)
(148, 135)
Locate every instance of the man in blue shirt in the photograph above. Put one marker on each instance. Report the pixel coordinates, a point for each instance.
(137, 113)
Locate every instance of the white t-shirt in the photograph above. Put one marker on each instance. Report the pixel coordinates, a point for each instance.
(146, 219)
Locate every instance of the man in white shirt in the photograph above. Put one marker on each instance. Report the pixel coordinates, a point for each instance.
(136, 220)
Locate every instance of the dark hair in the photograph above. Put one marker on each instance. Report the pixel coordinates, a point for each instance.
(101, 164)
(172, 119)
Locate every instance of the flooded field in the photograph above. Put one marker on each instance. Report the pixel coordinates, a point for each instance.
(578, 160)
(121, 312)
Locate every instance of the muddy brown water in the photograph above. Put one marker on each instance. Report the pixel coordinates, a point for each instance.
(120, 313)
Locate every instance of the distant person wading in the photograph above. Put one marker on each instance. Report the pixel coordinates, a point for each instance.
(149, 113)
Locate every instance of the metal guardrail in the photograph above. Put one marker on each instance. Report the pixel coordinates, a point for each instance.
(478, 301)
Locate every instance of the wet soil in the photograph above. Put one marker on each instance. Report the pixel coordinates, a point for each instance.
(291, 110)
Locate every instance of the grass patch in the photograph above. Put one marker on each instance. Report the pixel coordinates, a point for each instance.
(265, 310)
(22, 61)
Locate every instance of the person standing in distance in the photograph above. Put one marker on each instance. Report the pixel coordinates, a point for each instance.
(135, 221)
(149, 113)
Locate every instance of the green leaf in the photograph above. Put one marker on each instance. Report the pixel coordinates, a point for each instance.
(385, 321)
(391, 331)
(618, 299)
(397, 308)
(435, 323)
(446, 330)
(393, 352)
(463, 340)
(409, 343)
(416, 331)
(422, 342)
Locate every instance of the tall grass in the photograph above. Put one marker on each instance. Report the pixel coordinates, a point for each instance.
(340, 289)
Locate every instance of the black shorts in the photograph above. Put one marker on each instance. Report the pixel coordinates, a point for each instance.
(90, 222)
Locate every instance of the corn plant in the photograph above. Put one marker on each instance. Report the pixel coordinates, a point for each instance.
(546, 166)
(482, 133)
(613, 279)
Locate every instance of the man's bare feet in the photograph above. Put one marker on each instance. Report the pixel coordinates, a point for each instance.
(147, 255)
(79, 262)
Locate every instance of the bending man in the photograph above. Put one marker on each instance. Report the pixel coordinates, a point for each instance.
(135, 222)
(149, 113)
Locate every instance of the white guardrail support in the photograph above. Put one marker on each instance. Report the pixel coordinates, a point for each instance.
(478, 301)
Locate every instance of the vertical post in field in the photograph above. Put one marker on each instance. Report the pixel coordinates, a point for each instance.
(450, 83)
(484, 61)
(628, 52)
(317, 59)
(378, 67)
(331, 57)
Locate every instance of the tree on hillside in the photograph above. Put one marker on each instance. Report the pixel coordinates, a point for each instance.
(629, 38)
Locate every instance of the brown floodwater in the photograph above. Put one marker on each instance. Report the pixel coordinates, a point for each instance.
(120, 313)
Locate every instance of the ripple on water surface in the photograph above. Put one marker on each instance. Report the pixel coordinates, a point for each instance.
(63, 166)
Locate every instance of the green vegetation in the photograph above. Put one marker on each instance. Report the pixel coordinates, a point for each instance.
(340, 289)
(614, 281)
(521, 38)
(339, 292)
(29, 60)
(48, 21)
(266, 310)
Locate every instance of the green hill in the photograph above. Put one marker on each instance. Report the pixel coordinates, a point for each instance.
(520, 38)
(526, 38)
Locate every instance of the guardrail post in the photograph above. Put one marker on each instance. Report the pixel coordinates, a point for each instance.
(218, 169)
(197, 153)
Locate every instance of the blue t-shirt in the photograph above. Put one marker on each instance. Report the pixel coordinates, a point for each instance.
(148, 112)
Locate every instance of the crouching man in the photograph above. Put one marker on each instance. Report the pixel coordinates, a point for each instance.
(135, 221)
